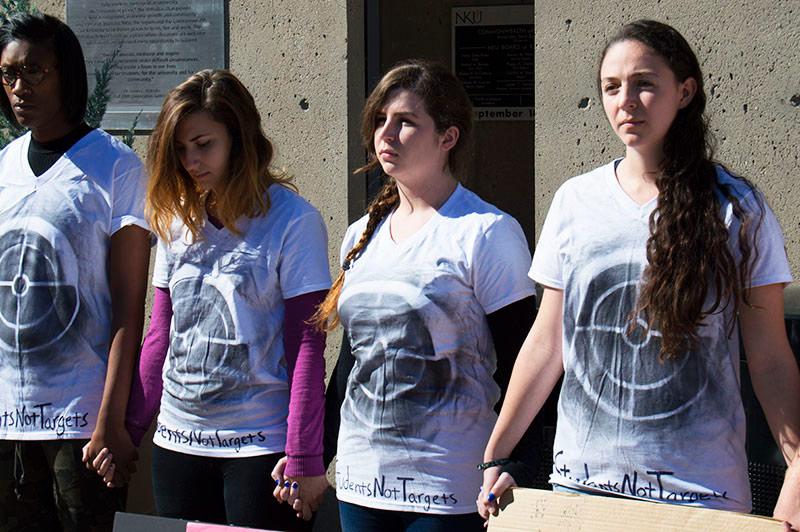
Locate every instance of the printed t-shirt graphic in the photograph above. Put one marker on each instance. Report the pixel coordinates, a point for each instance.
(55, 306)
(670, 431)
(419, 403)
(617, 367)
(200, 311)
(38, 296)
(226, 387)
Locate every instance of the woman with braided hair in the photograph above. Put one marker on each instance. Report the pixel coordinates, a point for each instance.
(425, 273)
(651, 265)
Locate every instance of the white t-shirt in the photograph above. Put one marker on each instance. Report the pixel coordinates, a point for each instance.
(226, 390)
(418, 409)
(627, 424)
(55, 306)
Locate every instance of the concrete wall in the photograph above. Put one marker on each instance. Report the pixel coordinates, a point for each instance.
(286, 51)
(750, 55)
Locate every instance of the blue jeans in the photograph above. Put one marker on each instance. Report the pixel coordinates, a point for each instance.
(355, 518)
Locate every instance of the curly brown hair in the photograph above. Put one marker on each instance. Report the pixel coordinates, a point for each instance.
(688, 252)
(447, 103)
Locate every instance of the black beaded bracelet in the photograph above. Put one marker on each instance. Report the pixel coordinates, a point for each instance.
(492, 463)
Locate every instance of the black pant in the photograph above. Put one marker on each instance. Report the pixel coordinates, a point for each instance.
(45, 487)
(235, 491)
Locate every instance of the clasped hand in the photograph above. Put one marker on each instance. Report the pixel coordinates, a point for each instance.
(117, 467)
(303, 494)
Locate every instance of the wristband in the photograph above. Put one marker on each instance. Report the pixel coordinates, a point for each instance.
(493, 463)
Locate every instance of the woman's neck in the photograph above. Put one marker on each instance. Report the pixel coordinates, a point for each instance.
(211, 210)
(637, 177)
(427, 193)
(644, 165)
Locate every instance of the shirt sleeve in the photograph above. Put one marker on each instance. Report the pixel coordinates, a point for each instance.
(303, 263)
(146, 387)
(127, 207)
(351, 236)
(161, 272)
(500, 264)
(546, 265)
(769, 260)
(305, 357)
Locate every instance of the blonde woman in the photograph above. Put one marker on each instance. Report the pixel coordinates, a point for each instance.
(241, 265)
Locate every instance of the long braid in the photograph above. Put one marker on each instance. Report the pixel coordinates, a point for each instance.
(326, 317)
(448, 104)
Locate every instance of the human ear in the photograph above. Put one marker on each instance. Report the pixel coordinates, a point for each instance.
(688, 90)
(450, 138)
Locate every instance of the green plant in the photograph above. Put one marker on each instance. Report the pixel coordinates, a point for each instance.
(98, 99)
(8, 8)
(12, 7)
(127, 136)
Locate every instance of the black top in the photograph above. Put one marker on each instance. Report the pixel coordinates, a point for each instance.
(43, 155)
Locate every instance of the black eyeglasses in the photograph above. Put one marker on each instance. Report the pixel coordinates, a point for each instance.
(30, 74)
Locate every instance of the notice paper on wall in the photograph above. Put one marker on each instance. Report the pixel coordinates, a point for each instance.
(158, 44)
(492, 55)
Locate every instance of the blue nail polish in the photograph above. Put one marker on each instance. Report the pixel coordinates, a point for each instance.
(491, 497)
(286, 484)
(277, 481)
(295, 485)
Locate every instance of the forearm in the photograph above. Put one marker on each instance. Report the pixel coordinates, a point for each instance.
(305, 348)
(536, 371)
(146, 387)
(788, 505)
(777, 387)
(509, 327)
(334, 397)
(121, 359)
(772, 365)
(127, 266)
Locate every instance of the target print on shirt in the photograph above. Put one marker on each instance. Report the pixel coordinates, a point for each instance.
(207, 362)
(398, 386)
(39, 298)
(616, 374)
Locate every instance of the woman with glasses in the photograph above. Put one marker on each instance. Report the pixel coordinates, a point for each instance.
(73, 268)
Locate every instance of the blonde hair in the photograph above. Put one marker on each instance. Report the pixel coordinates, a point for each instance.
(171, 192)
(447, 103)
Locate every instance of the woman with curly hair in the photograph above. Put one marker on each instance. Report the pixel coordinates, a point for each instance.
(651, 265)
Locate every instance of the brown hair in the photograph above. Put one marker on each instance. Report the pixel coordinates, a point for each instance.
(447, 103)
(172, 192)
(688, 255)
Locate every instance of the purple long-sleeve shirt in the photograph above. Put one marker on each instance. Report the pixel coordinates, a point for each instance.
(304, 347)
